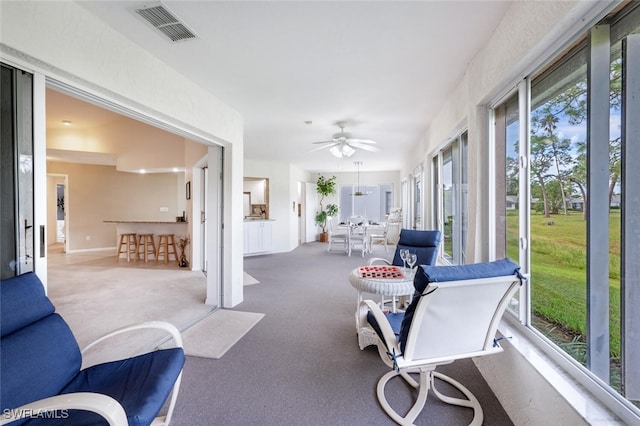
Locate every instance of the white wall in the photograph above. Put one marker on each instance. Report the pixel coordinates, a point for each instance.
(283, 193)
(61, 40)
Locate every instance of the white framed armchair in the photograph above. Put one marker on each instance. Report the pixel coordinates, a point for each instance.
(41, 376)
(454, 315)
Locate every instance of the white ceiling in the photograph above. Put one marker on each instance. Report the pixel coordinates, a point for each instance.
(385, 67)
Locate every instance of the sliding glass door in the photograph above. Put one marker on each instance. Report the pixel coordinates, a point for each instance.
(16, 131)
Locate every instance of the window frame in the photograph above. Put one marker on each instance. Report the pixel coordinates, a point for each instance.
(521, 320)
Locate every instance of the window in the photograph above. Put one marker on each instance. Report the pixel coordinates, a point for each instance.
(560, 204)
(450, 197)
(370, 201)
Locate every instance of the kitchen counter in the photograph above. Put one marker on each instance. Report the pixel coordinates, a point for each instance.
(156, 227)
(143, 221)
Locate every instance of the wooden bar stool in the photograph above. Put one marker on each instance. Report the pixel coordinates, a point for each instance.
(166, 242)
(145, 241)
(128, 245)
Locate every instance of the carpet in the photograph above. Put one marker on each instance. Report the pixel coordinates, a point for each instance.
(213, 336)
(249, 280)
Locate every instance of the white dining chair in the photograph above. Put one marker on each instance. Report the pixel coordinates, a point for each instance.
(358, 234)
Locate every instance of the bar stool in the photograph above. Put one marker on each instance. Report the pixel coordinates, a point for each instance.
(166, 242)
(128, 245)
(145, 241)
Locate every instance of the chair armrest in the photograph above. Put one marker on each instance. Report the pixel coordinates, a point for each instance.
(388, 336)
(101, 404)
(378, 259)
(162, 325)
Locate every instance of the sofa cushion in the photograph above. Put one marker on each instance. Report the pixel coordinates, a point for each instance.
(22, 301)
(141, 384)
(37, 361)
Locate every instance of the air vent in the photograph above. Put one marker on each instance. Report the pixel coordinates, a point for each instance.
(164, 21)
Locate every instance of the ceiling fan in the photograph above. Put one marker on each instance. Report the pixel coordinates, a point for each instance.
(343, 145)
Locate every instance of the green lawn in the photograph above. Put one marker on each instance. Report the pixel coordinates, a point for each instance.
(558, 272)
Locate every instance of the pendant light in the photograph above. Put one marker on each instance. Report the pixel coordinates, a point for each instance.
(358, 193)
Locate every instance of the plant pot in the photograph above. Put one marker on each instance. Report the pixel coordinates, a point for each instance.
(323, 237)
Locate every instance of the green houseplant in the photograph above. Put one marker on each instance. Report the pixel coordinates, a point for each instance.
(325, 187)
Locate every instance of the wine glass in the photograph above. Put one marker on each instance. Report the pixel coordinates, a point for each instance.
(412, 258)
(403, 255)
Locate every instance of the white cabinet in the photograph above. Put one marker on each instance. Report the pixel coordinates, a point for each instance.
(258, 236)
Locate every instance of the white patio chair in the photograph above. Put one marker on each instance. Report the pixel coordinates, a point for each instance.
(378, 235)
(454, 315)
(358, 234)
(336, 236)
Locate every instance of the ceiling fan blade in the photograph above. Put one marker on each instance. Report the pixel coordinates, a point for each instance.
(325, 142)
(331, 144)
(364, 146)
(366, 141)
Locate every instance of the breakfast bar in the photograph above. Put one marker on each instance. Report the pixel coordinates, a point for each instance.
(165, 230)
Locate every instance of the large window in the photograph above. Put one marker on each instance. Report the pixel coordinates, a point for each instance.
(371, 201)
(450, 197)
(561, 211)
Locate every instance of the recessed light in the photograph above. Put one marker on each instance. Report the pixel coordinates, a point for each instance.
(66, 122)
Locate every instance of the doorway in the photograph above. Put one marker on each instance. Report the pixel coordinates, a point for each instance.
(57, 211)
(105, 157)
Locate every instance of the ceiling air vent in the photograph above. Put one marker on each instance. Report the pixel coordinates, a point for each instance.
(164, 21)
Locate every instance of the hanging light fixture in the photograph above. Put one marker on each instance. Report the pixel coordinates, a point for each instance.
(342, 150)
(358, 193)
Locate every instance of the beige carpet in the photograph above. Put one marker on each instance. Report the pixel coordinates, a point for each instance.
(249, 280)
(96, 294)
(216, 334)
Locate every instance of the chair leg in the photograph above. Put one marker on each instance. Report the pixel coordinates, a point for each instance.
(424, 384)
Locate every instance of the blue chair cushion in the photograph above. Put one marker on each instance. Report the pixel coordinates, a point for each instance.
(430, 274)
(22, 302)
(423, 243)
(394, 318)
(151, 375)
(37, 361)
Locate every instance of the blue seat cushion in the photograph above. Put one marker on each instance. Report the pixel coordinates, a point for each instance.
(394, 318)
(423, 243)
(141, 384)
(37, 361)
(22, 302)
(430, 274)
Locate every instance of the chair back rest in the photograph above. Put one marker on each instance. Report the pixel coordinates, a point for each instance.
(358, 226)
(423, 243)
(456, 309)
(331, 225)
(38, 353)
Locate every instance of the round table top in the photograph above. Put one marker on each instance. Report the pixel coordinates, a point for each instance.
(384, 286)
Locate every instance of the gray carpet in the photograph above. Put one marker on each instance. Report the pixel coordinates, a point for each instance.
(301, 364)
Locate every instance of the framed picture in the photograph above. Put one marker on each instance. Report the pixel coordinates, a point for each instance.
(188, 190)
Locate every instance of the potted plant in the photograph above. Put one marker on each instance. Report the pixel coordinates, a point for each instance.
(325, 187)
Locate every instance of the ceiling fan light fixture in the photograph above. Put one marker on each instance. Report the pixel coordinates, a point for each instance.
(342, 150)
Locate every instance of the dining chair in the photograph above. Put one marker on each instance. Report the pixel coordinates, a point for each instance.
(336, 236)
(378, 235)
(358, 234)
